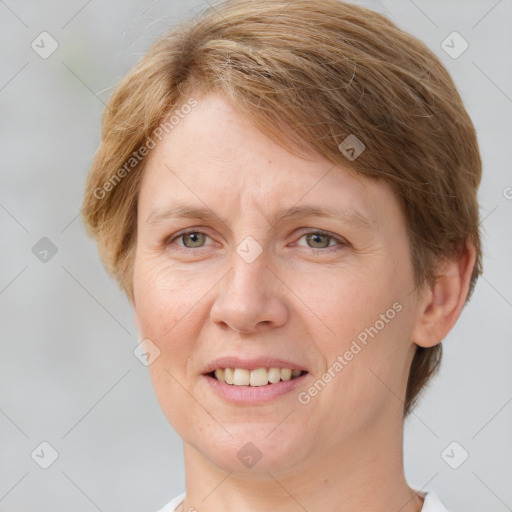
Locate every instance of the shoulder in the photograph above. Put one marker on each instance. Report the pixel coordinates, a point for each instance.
(173, 504)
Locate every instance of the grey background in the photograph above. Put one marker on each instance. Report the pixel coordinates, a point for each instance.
(68, 375)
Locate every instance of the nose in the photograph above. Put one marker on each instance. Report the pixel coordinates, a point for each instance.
(250, 298)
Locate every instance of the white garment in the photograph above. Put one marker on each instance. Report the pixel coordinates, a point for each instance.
(431, 503)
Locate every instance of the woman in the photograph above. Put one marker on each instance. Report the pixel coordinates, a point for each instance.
(287, 193)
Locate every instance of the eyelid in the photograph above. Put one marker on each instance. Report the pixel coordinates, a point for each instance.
(341, 241)
(304, 231)
(184, 232)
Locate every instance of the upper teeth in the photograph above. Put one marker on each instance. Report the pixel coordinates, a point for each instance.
(257, 377)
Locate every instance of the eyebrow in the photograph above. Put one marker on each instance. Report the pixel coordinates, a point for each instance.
(350, 216)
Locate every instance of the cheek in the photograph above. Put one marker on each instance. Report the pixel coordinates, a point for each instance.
(346, 302)
(163, 306)
(164, 300)
(366, 318)
(156, 296)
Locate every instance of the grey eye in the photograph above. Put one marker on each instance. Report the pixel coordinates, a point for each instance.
(315, 241)
(193, 239)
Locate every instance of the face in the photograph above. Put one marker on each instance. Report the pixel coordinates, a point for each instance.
(293, 264)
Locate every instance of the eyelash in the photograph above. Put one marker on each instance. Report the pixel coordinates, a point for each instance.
(341, 242)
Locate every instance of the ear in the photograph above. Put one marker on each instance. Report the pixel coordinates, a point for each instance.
(440, 306)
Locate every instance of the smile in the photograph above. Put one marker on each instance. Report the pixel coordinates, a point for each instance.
(242, 386)
(256, 377)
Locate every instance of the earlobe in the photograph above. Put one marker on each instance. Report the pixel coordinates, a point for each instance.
(441, 305)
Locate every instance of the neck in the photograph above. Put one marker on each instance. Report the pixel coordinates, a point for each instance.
(366, 473)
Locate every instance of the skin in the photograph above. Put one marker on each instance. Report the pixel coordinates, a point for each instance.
(197, 299)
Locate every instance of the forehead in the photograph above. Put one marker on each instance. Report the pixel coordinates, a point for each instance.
(215, 156)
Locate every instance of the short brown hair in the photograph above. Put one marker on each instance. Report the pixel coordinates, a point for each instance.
(323, 69)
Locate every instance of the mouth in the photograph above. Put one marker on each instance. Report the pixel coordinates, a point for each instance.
(253, 381)
(255, 378)
(262, 385)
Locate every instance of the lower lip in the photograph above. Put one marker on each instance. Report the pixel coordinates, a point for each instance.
(251, 395)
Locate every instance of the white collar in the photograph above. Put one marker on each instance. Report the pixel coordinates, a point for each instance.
(431, 502)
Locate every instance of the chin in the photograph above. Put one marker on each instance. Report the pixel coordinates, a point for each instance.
(251, 452)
